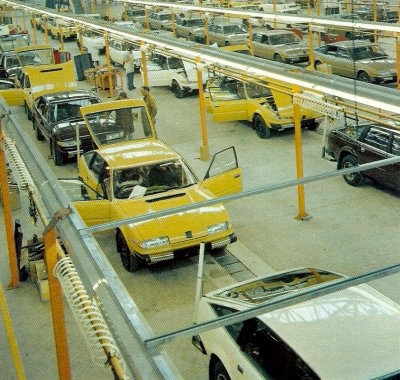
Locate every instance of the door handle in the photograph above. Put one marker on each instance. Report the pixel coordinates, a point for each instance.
(240, 369)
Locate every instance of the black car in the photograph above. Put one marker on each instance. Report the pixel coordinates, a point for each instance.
(55, 117)
(361, 144)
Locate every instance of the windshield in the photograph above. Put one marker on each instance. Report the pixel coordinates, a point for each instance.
(195, 22)
(123, 124)
(268, 288)
(36, 57)
(138, 181)
(233, 29)
(367, 52)
(280, 39)
(69, 110)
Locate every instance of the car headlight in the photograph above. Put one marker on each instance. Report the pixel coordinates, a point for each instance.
(215, 228)
(156, 242)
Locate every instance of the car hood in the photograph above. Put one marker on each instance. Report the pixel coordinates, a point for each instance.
(380, 63)
(67, 128)
(177, 224)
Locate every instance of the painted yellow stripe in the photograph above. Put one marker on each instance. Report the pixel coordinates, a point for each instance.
(11, 337)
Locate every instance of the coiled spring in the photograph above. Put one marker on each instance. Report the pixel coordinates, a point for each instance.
(91, 322)
(20, 172)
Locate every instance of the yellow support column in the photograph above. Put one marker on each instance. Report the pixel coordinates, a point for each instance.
(204, 149)
(144, 64)
(56, 298)
(302, 215)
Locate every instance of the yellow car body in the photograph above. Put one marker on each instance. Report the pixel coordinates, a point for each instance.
(37, 80)
(229, 99)
(163, 237)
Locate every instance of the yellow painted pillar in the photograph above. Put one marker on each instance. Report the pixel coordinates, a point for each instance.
(398, 59)
(19, 368)
(302, 214)
(56, 300)
(144, 64)
(6, 199)
(80, 29)
(204, 149)
(61, 34)
(206, 30)
(108, 63)
(250, 38)
(46, 34)
(34, 29)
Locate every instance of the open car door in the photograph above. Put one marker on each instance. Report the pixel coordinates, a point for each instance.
(225, 100)
(92, 211)
(223, 176)
(118, 121)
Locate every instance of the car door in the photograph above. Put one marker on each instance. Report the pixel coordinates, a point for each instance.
(344, 64)
(226, 101)
(158, 72)
(375, 146)
(92, 211)
(261, 47)
(12, 95)
(223, 176)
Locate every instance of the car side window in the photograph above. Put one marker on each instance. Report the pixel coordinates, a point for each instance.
(233, 330)
(271, 354)
(378, 138)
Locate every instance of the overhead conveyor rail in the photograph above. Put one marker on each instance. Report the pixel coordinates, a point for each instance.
(256, 68)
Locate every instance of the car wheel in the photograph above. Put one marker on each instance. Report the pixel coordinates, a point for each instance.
(364, 77)
(129, 261)
(219, 372)
(57, 155)
(177, 90)
(261, 128)
(38, 134)
(278, 58)
(28, 111)
(353, 179)
(227, 43)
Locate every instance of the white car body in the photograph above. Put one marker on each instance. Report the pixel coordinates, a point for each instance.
(181, 76)
(349, 334)
(118, 50)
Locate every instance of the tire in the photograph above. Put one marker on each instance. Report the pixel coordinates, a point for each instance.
(129, 261)
(38, 133)
(57, 155)
(177, 90)
(218, 372)
(28, 111)
(316, 64)
(261, 128)
(354, 179)
(363, 77)
(227, 43)
(278, 58)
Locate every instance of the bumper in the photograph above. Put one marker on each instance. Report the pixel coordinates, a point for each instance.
(190, 250)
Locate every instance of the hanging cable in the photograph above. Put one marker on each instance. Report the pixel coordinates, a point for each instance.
(87, 315)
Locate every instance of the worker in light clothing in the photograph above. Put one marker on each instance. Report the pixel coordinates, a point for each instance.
(129, 66)
(150, 103)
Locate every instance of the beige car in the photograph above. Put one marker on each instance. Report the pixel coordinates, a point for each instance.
(359, 59)
(279, 45)
(226, 34)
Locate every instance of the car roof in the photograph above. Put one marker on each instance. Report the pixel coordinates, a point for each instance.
(132, 153)
(353, 333)
(273, 32)
(352, 43)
